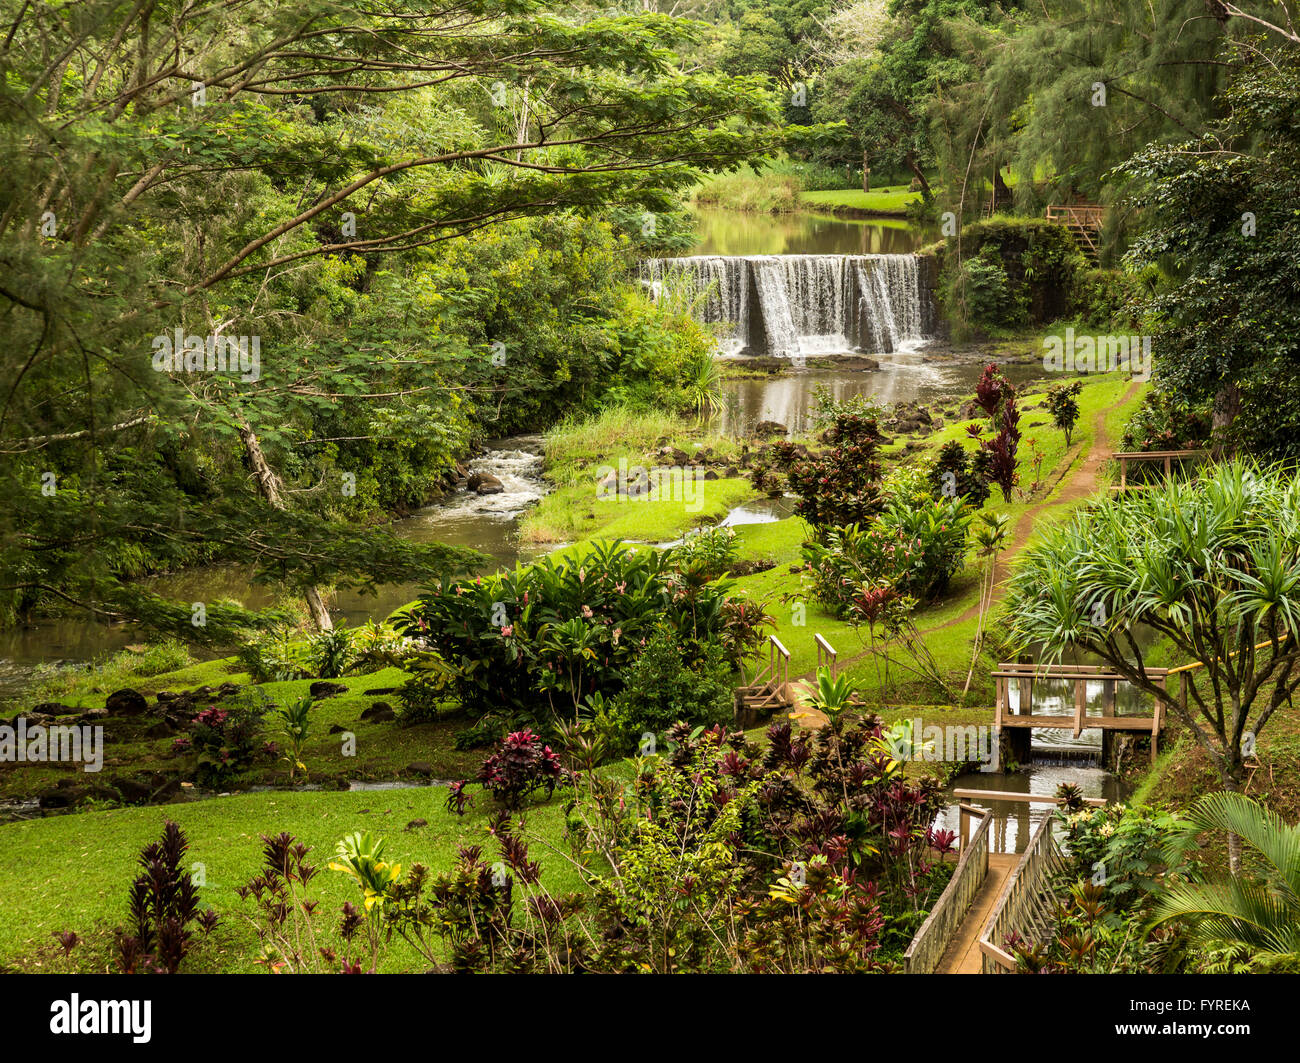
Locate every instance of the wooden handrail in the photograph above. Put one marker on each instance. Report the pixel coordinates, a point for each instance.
(777, 643)
(933, 936)
(1201, 664)
(1010, 795)
(1025, 899)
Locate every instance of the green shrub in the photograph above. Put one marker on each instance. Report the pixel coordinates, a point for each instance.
(270, 657)
(662, 689)
(537, 642)
(331, 652)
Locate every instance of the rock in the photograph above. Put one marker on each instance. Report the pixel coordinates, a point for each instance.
(375, 692)
(164, 696)
(970, 411)
(679, 456)
(417, 823)
(379, 712)
(420, 767)
(484, 483)
(938, 423)
(770, 428)
(161, 729)
(57, 798)
(710, 475)
(326, 689)
(131, 790)
(731, 472)
(53, 708)
(126, 702)
(337, 729)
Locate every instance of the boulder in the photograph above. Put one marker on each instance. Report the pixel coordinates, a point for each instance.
(126, 702)
(379, 712)
(415, 824)
(53, 708)
(420, 767)
(326, 689)
(484, 483)
(375, 692)
(710, 475)
(770, 428)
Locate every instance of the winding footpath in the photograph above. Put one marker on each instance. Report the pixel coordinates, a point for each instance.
(1077, 487)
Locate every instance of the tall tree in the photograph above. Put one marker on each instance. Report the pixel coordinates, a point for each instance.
(186, 175)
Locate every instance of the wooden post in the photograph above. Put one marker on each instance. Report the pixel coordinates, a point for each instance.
(1123, 471)
(1108, 697)
(1080, 705)
(1026, 697)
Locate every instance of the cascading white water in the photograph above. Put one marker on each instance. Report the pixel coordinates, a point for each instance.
(804, 304)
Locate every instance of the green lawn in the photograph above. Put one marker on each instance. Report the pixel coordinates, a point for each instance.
(73, 872)
(893, 198)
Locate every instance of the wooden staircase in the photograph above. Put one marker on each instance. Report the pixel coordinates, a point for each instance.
(1084, 222)
(772, 690)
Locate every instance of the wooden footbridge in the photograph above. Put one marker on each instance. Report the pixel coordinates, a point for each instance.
(991, 897)
(1025, 675)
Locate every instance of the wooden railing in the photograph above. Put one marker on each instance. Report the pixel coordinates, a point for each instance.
(932, 938)
(825, 654)
(1168, 457)
(770, 688)
(1084, 214)
(1026, 906)
(1081, 675)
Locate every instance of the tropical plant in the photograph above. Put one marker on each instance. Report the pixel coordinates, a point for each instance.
(226, 738)
(331, 652)
(1213, 566)
(990, 532)
(1257, 909)
(842, 485)
(662, 688)
(832, 694)
(164, 902)
(518, 768)
(360, 857)
(1063, 404)
(293, 720)
(952, 476)
(534, 643)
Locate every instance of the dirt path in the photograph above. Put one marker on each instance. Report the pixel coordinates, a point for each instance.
(1077, 487)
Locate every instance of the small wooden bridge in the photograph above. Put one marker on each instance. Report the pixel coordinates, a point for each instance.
(991, 896)
(772, 690)
(1024, 676)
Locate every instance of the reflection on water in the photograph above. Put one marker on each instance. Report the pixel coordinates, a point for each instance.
(1014, 822)
(734, 232)
(905, 376)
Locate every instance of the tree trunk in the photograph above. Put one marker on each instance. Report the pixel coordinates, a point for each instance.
(866, 173)
(1234, 840)
(916, 172)
(1227, 404)
(268, 486)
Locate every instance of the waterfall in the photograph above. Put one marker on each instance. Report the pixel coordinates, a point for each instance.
(803, 304)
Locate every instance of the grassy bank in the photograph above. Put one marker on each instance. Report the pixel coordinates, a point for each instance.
(891, 200)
